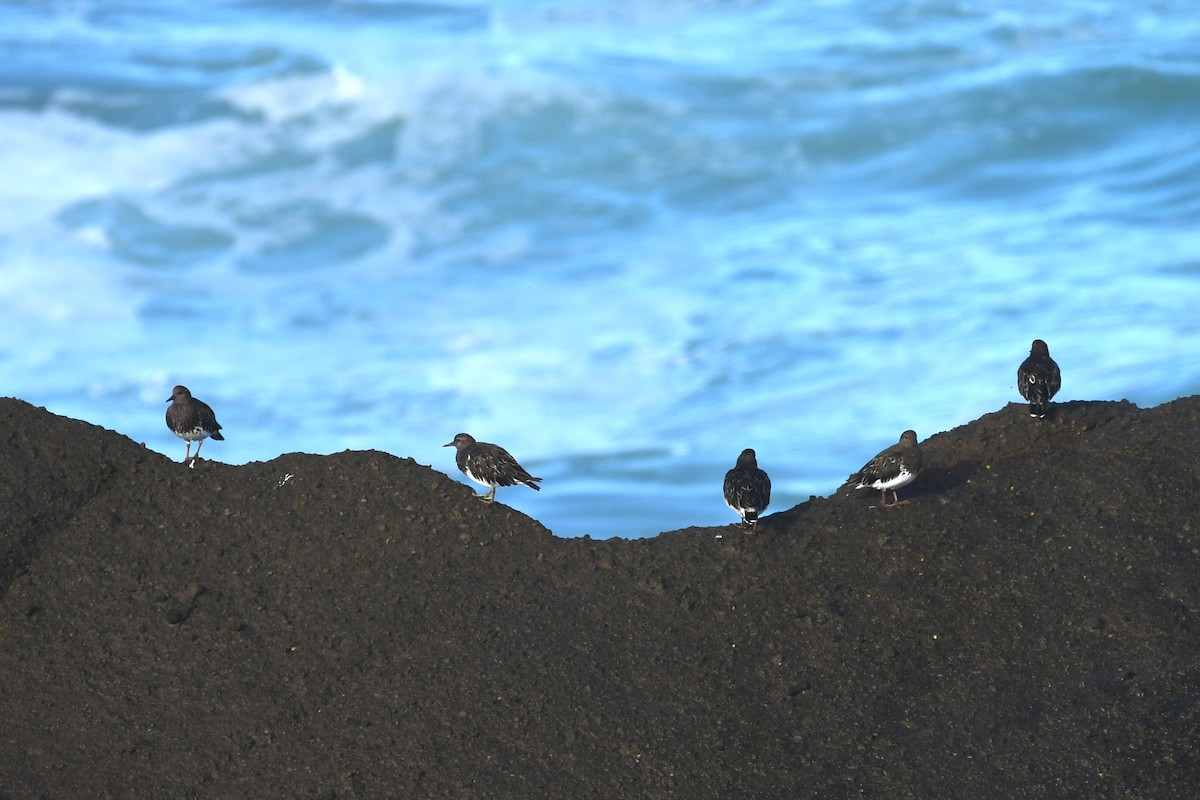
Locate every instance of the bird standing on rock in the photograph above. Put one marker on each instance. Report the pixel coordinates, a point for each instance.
(489, 465)
(191, 420)
(1038, 378)
(747, 490)
(895, 467)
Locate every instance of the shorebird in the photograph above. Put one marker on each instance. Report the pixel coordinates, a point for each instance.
(747, 490)
(489, 465)
(1038, 378)
(191, 420)
(895, 467)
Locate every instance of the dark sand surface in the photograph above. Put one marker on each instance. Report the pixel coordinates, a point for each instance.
(359, 626)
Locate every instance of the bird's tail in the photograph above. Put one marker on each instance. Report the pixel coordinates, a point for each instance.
(530, 483)
(1039, 395)
(217, 435)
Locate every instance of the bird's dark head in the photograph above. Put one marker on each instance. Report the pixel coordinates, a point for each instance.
(908, 437)
(748, 458)
(179, 394)
(461, 441)
(1039, 348)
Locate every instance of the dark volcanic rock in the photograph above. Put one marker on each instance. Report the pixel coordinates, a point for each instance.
(358, 625)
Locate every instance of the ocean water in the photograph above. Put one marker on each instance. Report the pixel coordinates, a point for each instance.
(625, 241)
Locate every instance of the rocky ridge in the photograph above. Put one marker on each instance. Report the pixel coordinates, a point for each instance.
(358, 625)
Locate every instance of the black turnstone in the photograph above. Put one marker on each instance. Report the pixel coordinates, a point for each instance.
(1038, 378)
(490, 465)
(191, 420)
(747, 490)
(895, 467)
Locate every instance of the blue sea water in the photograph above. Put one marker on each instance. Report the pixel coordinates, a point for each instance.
(623, 240)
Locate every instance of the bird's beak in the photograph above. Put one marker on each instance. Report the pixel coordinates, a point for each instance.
(448, 444)
(169, 399)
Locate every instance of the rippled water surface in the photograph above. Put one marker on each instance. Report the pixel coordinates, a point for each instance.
(625, 243)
